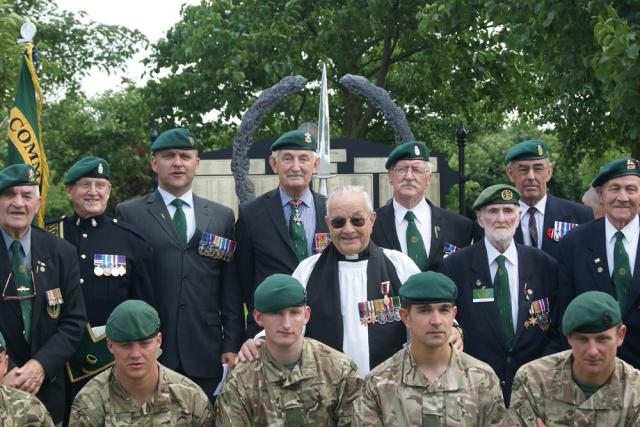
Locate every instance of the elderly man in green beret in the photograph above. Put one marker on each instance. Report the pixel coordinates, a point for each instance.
(605, 255)
(42, 311)
(410, 222)
(280, 228)
(297, 380)
(429, 382)
(196, 292)
(587, 385)
(137, 390)
(19, 408)
(544, 218)
(506, 302)
(115, 261)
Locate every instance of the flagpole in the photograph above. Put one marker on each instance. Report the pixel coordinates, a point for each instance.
(324, 145)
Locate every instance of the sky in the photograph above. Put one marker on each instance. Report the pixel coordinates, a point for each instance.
(151, 17)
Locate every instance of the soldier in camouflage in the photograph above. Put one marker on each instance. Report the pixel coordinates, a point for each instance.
(587, 385)
(19, 408)
(137, 390)
(430, 383)
(296, 381)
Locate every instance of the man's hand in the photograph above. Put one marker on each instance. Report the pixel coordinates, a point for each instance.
(456, 339)
(28, 378)
(249, 351)
(230, 359)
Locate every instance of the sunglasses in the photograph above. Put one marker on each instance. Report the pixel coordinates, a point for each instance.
(340, 221)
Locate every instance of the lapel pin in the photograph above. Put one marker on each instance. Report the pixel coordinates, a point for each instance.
(596, 261)
(600, 269)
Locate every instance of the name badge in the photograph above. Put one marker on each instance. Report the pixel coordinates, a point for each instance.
(483, 295)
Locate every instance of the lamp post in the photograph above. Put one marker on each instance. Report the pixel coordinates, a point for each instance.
(461, 134)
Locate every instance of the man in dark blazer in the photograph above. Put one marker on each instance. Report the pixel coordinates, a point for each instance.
(529, 170)
(263, 231)
(42, 311)
(604, 255)
(506, 291)
(441, 232)
(197, 297)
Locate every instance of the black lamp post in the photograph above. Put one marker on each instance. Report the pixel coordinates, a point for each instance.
(461, 134)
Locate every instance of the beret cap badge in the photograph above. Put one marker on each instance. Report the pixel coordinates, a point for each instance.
(31, 177)
(416, 149)
(100, 168)
(540, 152)
(631, 164)
(506, 195)
(307, 138)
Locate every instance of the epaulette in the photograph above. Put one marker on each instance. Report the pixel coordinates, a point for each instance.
(55, 226)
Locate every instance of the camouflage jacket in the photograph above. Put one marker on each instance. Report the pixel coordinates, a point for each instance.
(21, 409)
(545, 388)
(178, 401)
(318, 391)
(396, 393)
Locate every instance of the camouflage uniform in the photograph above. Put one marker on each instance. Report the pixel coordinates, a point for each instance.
(545, 388)
(21, 409)
(318, 391)
(178, 401)
(396, 393)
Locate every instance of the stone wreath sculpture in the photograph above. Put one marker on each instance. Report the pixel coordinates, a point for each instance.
(288, 86)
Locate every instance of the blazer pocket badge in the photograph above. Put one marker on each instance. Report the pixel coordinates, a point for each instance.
(216, 247)
(320, 242)
(539, 314)
(54, 302)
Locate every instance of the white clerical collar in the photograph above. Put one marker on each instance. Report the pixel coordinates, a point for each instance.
(539, 206)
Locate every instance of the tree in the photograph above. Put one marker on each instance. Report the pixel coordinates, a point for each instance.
(222, 53)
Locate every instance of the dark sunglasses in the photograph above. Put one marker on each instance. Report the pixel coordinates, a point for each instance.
(340, 221)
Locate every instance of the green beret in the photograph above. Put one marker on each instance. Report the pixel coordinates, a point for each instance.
(295, 140)
(3, 344)
(619, 167)
(132, 320)
(532, 149)
(174, 138)
(412, 150)
(499, 194)
(92, 167)
(19, 174)
(429, 287)
(279, 291)
(590, 313)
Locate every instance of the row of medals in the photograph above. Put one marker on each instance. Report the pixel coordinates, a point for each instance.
(109, 271)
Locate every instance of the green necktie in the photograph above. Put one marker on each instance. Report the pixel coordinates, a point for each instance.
(296, 231)
(415, 244)
(22, 280)
(502, 295)
(180, 220)
(621, 276)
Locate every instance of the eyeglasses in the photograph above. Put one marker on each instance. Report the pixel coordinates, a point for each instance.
(537, 169)
(340, 221)
(32, 295)
(404, 170)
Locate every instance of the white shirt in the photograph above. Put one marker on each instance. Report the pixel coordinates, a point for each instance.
(630, 241)
(511, 254)
(353, 290)
(422, 211)
(539, 216)
(187, 208)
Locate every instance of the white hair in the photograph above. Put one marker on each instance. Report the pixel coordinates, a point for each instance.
(350, 189)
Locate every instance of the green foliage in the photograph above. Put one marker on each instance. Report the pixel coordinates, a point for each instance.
(113, 126)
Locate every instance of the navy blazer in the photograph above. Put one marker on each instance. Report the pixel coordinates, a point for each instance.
(197, 297)
(53, 339)
(584, 267)
(556, 209)
(446, 227)
(264, 246)
(483, 339)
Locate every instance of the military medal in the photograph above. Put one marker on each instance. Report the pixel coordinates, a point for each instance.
(321, 241)
(97, 265)
(539, 314)
(384, 290)
(115, 272)
(448, 249)
(216, 247)
(54, 302)
(560, 229)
